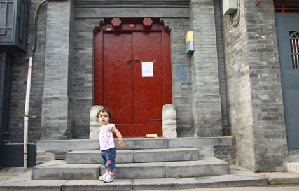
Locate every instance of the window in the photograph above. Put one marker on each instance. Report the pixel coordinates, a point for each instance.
(294, 38)
(286, 6)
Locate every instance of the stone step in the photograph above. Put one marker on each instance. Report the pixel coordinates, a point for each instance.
(293, 167)
(135, 156)
(207, 167)
(62, 171)
(135, 143)
(236, 178)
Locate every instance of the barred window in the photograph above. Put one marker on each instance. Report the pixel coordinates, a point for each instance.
(286, 6)
(294, 38)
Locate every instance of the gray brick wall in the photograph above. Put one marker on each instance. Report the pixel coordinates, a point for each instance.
(254, 87)
(55, 121)
(82, 72)
(207, 118)
(221, 68)
(267, 105)
(239, 89)
(19, 80)
(181, 75)
(77, 92)
(78, 84)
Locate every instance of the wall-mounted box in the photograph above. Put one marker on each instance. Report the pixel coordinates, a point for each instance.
(189, 43)
(14, 15)
(229, 7)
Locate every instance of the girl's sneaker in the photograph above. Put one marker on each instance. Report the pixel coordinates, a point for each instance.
(109, 179)
(102, 178)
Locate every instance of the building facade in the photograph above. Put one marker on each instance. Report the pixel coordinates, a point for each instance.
(230, 85)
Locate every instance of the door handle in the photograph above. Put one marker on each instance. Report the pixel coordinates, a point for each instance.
(129, 61)
(136, 59)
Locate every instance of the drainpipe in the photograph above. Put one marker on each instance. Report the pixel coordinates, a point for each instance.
(26, 115)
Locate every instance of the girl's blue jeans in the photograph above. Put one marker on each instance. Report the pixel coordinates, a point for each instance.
(108, 158)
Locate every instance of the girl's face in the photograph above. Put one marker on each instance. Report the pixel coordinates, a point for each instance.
(104, 118)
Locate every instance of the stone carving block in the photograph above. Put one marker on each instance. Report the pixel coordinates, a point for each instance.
(94, 123)
(169, 121)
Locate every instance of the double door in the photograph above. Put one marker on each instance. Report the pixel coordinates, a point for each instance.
(133, 81)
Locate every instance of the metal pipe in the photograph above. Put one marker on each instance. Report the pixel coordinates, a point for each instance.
(26, 116)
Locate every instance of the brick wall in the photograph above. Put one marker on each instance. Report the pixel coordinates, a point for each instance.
(221, 67)
(181, 75)
(254, 86)
(239, 89)
(82, 72)
(19, 80)
(206, 99)
(269, 131)
(82, 65)
(79, 88)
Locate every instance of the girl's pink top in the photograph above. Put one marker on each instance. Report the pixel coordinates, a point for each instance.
(106, 137)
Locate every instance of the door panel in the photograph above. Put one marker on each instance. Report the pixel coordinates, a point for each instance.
(135, 101)
(117, 86)
(148, 91)
(286, 24)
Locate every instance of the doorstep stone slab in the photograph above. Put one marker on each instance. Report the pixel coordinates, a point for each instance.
(196, 168)
(293, 167)
(140, 170)
(94, 157)
(33, 185)
(164, 184)
(59, 170)
(130, 156)
(166, 155)
(134, 143)
(277, 178)
(171, 169)
(145, 143)
(85, 185)
(66, 145)
(199, 142)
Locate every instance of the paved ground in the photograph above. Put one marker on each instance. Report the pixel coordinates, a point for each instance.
(262, 188)
(278, 181)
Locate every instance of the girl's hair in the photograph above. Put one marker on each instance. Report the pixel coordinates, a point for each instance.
(105, 110)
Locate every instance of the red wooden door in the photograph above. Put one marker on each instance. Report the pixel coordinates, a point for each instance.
(117, 77)
(135, 100)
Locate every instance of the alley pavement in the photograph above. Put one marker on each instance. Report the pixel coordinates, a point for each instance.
(20, 179)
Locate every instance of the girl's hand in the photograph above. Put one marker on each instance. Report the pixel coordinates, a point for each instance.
(122, 144)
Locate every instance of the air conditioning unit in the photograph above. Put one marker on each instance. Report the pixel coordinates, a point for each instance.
(14, 16)
(229, 7)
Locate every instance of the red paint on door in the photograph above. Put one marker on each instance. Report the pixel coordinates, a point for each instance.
(135, 101)
(117, 76)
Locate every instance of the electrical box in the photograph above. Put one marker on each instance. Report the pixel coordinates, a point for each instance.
(189, 43)
(14, 17)
(229, 7)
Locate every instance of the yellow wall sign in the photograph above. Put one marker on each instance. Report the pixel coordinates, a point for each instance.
(189, 43)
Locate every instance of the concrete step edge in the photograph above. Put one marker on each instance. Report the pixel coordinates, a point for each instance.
(138, 184)
(130, 156)
(64, 164)
(132, 150)
(61, 170)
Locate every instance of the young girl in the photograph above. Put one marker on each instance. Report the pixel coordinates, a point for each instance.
(107, 146)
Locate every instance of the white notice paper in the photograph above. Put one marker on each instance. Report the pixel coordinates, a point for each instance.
(147, 69)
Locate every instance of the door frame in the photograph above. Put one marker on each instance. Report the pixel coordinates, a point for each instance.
(131, 25)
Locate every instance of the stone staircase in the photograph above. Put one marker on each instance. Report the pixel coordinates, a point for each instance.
(145, 164)
(137, 162)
